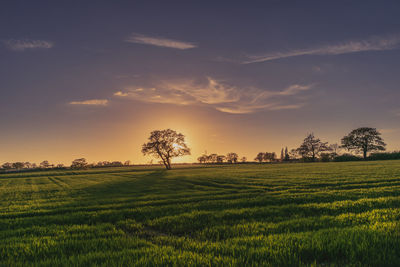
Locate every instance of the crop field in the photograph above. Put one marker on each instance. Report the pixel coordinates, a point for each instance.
(316, 214)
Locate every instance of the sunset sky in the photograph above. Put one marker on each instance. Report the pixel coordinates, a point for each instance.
(93, 78)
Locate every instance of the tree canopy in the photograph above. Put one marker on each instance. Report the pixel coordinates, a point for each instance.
(364, 140)
(166, 144)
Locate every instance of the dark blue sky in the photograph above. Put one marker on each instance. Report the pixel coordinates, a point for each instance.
(92, 79)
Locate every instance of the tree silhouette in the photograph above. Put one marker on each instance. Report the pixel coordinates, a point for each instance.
(44, 164)
(166, 144)
(79, 164)
(259, 157)
(212, 158)
(335, 148)
(312, 147)
(287, 157)
(269, 156)
(18, 165)
(202, 159)
(220, 158)
(364, 140)
(7, 166)
(232, 157)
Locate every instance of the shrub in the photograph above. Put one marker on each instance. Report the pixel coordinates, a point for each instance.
(347, 157)
(326, 157)
(384, 155)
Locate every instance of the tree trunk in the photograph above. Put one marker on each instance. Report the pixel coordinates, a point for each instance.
(168, 164)
(365, 153)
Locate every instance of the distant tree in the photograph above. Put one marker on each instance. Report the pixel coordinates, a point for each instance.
(243, 159)
(28, 165)
(269, 156)
(117, 164)
(212, 158)
(44, 164)
(79, 164)
(293, 154)
(166, 144)
(202, 159)
(220, 158)
(232, 157)
(282, 155)
(7, 166)
(127, 163)
(18, 165)
(364, 140)
(60, 166)
(312, 147)
(335, 148)
(287, 157)
(259, 157)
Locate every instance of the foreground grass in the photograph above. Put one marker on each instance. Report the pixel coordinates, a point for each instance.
(274, 215)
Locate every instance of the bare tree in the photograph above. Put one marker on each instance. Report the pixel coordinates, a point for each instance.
(335, 148)
(312, 147)
(166, 144)
(364, 140)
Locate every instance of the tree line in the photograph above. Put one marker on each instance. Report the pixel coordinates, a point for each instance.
(168, 144)
(360, 141)
(80, 163)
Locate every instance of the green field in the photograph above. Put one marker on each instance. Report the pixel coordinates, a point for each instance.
(269, 214)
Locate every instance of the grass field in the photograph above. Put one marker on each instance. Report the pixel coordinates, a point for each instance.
(273, 215)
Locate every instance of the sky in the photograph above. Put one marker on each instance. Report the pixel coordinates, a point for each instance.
(92, 79)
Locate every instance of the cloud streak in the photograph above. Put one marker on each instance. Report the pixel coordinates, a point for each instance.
(91, 102)
(159, 41)
(372, 44)
(218, 95)
(27, 44)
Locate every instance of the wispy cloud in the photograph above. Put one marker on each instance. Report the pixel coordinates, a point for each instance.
(219, 95)
(371, 44)
(159, 41)
(27, 44)
(91, 102)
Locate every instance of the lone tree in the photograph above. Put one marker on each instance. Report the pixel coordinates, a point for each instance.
(312, 147)
(166, 144)
(364, 140)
